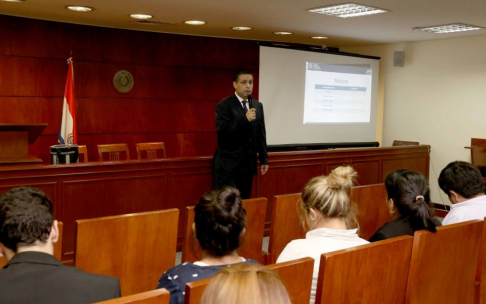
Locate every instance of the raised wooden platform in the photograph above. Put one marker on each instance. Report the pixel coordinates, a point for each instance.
(95, 189)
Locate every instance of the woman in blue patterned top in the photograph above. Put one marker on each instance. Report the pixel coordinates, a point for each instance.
(219, 225)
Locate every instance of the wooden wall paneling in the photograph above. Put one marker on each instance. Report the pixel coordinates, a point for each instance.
(86, 199)
(32, 110)
(418, 164)
(21, 76)
(187, 187)
(49, 188)
(369, 170)
(285, 179)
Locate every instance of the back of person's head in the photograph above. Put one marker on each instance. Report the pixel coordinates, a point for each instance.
(410, 193)
(330, 196)
(26, 217)
(220, 221)
(246, 283)
(462, 178)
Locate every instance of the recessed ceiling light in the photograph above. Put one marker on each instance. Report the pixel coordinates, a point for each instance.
(78, 8)
(319, 37)
(13, 0)
(195, 22)
(241, 28)
(141, 16)
(448, 28)
(348, 10)
(283, 33)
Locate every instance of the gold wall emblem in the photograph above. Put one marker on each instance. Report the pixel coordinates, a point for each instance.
(123, 81)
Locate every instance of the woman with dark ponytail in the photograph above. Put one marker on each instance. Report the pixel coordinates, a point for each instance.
(219, 225)
(409, 205)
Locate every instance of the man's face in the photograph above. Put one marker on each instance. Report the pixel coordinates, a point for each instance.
(243, 85)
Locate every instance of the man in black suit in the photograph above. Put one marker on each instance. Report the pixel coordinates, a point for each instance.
(241, 135)
(33, 274)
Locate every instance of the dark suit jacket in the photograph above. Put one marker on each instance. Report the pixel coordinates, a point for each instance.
(400, 226)
(36, 277)
(239, 140)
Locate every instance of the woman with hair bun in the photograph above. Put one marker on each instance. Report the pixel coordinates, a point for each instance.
(409, 205)
(325, 211)
(219, 225)
(246, 284)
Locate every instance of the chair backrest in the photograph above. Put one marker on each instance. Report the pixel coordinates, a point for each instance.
(443, 265)
(478, 151)
(82, 150)
(57, 247)
(251, 245)
(369, 205)
(481, 272)
(284, 226)
(404, 143)
(113, 151)
(137, 248)
(371, 273)
(297, 277)
(151, 150)
(195, 290)
(157, 296)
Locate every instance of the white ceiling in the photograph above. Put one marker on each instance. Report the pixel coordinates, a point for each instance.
(268, 16)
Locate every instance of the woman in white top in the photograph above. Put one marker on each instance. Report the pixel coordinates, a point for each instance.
(325, 211)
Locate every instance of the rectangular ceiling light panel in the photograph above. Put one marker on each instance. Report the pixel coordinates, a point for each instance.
(348, 10)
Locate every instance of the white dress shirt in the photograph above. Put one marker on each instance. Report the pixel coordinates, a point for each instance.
(473, 209)
(241, 101)
(317, 242)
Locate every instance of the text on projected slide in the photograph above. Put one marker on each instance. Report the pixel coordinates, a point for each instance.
(337, 93)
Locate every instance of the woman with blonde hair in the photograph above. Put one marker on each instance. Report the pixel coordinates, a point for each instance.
(325, 212)
(246, 284)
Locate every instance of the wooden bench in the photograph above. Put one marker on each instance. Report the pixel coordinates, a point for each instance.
(285, 225)
(251, 245)
(157, 296)
(296, 276)
(371, 273)
(369, 205)
(137, 248)
(444, 264)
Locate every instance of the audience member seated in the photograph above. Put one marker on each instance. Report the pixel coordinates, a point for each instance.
(245, 284)
(464, 185)
(409, 205)
(325, 211)
(33, 275)
(219, 225)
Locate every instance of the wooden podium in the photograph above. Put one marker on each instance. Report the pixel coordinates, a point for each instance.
(15, 140)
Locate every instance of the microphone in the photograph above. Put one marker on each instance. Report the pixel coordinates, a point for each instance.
(250, 101)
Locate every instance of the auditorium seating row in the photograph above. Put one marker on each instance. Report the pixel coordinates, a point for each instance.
(441, 267)
(144, 150)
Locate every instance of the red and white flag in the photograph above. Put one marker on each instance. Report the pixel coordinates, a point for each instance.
(67, 131)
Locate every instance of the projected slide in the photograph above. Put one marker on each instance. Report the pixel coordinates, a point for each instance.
(337, 93)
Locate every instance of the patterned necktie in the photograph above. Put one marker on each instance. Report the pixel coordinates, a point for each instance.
(244, 105)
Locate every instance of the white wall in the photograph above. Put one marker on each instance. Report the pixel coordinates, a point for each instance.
(438, 98)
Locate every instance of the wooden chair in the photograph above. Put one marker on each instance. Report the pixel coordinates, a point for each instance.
(297, 277)
(397, 143)
(284, 226)
(369, 205)
(444, 264)
(481, 272)
(478, 154)
(151, 150)
(195, 290)
(251, 245)
(57, 247)
(113, 151)
(157, 296)
(137, 248)
(371, 273)
(82, 150)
